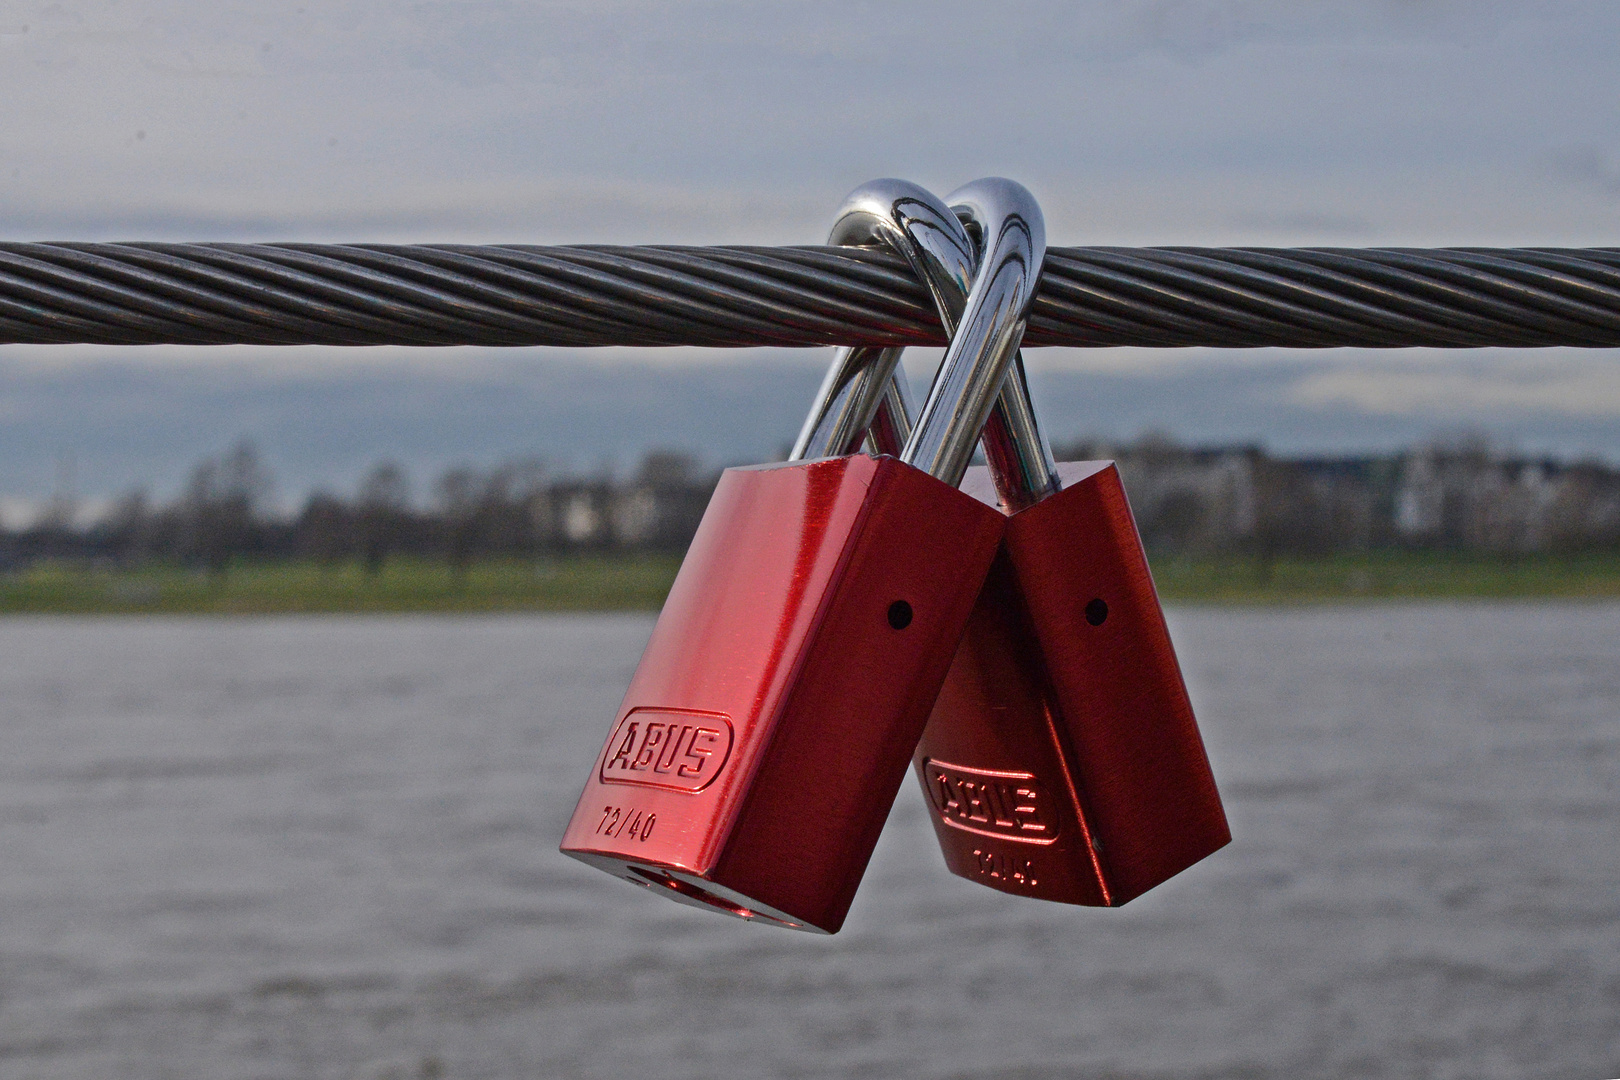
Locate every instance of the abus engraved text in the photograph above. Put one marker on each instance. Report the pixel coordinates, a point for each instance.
(667, 748)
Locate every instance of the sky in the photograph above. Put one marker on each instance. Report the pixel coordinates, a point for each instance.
(1420, 122)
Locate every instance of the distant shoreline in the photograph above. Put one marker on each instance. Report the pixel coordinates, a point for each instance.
(640, 583)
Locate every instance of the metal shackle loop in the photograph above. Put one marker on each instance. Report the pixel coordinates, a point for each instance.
(864, 388)
(992, 326)
(1018, 454)
(916, 224)
(864, 392)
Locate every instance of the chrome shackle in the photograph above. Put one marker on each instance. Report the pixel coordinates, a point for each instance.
(980, 385)
(865, 391)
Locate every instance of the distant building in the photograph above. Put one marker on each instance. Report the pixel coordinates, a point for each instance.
(1467, 498)
(1185, 499)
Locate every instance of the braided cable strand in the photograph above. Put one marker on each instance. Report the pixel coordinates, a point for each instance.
(370, 294)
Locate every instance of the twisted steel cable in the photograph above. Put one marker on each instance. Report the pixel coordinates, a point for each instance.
(371, 294)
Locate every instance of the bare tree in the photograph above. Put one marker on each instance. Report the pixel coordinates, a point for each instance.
(456, 500)
(383, 516)
(325, 529)
(222, 506)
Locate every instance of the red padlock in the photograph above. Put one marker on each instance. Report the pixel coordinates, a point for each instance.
(755, 757)
(761, 741)
(1093, 811)
(1062, 760)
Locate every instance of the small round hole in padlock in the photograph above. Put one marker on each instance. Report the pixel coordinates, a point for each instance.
(899, 614)
(1097, 611)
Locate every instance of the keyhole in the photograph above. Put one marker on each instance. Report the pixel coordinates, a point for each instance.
(899, 614)
(1097, 611)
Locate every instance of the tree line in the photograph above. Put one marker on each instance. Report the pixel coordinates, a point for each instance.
(1187, 500)
(516, 509)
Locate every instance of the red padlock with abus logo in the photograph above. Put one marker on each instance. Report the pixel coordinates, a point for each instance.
(768, 727)
(763, 736)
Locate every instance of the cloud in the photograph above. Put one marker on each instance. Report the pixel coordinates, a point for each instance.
(719, 121)
(1148, 121)
(1577, 386)
(323, 416)
(1589, 166)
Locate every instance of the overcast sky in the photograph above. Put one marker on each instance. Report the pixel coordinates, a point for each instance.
(1154, 121)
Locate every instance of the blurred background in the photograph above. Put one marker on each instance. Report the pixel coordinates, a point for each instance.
(324, 845)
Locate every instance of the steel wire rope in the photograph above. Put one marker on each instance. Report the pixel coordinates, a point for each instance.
(594, 295)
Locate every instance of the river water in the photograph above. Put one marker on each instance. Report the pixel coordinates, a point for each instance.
(328, 848)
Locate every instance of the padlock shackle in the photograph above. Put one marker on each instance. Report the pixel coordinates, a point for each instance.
(1020, 458)
(858, 392)
(864, 394)
(971, 376)
(915, 223)
(864, 388)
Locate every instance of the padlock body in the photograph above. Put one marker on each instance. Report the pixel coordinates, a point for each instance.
(764, 735)
(1062, 760)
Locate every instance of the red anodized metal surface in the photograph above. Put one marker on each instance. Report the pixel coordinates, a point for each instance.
(767, 729)
(1062, 760)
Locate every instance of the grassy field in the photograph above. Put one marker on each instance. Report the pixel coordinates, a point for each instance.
(1391, 575)
(639, 584)
(583, 584)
